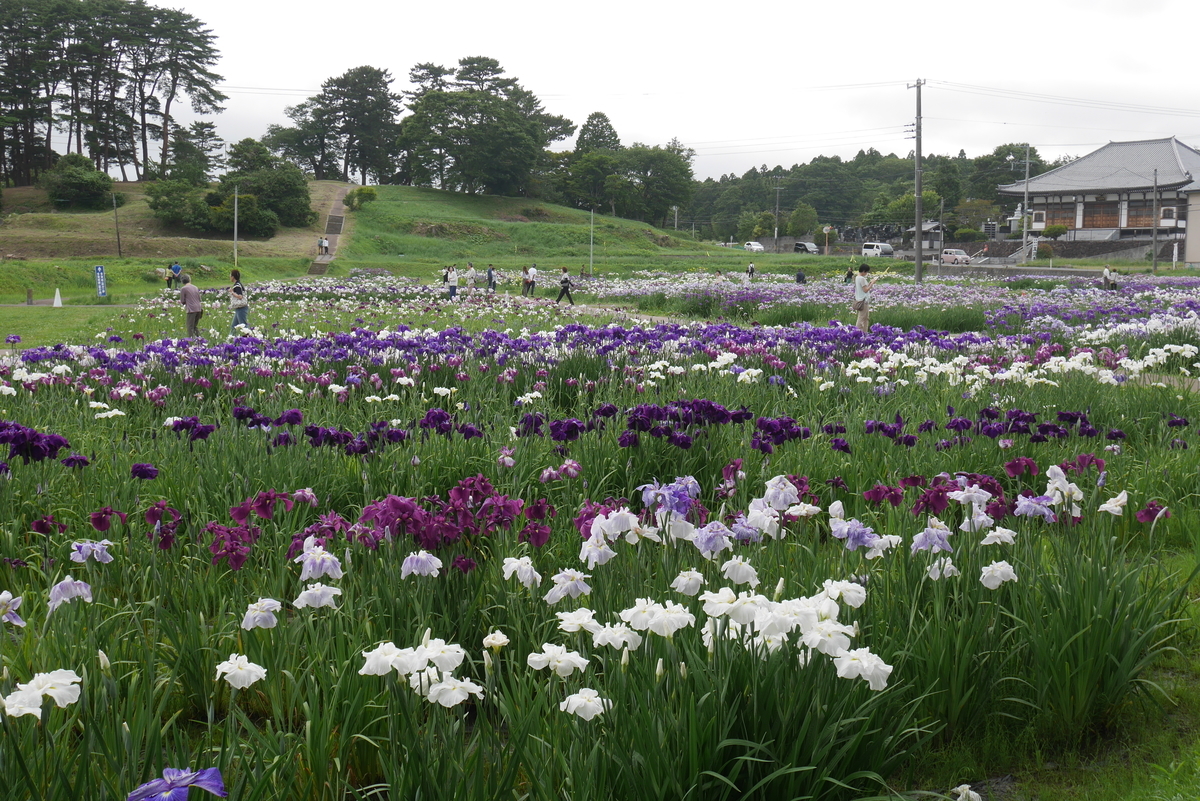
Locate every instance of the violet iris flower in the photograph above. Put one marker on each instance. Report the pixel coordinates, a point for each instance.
(82, 551)
(1036, 506)
(174, 785)
(8, 608)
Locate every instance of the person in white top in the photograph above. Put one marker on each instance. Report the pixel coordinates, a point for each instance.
(532, 280)
(862, 297)
(471, 277)
(452, 282)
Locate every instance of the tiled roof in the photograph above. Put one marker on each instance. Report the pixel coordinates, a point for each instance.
(1120, 166)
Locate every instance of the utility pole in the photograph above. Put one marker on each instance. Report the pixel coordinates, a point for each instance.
(235, 222)
(778, 189)
(919, 271)
(942, 235)
(116, 224)
(1025, 212)
(1154, 230)
(592, 245)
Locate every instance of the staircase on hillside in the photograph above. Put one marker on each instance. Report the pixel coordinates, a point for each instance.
(333, 229)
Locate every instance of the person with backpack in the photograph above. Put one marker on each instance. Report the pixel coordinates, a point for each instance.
(564, 283)
(750, 272)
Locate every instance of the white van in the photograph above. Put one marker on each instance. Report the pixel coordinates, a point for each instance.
(754, 247)
(876, 249)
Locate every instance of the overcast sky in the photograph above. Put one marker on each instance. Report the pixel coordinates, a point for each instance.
(749, 84)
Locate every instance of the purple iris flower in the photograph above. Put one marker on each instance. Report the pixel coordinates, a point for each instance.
(464, 564)
(1036, 506)
(712, 539)
(292, 417)
(932, 539)
(839, 444)
(174, 785)
(859, 536)
(75, 460)
(144, 471)
(85, 549)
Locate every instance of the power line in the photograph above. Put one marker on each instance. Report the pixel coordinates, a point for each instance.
(1035, 97)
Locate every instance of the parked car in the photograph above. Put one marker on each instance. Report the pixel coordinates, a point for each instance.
(954, 256)
(754, 247)
(808, 247)
(877, 249)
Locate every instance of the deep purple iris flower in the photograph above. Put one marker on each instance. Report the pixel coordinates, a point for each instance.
(144, 471)
(102, 519)
(174, 785)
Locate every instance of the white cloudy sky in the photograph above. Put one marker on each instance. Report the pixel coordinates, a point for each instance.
(768, 82)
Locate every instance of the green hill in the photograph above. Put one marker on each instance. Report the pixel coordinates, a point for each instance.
(416, 227)
(408, 231)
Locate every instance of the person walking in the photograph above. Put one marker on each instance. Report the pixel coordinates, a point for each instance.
(564, 283)
(238, 302)
(862, 293)
(189, 295)
(533, 280)
(491, 279)
(750, 273)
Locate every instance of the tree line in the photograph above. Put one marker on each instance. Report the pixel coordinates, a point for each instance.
(472, 128)
(871, 195)
(98, 77)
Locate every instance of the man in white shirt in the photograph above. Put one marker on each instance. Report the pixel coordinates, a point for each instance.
(532, 280)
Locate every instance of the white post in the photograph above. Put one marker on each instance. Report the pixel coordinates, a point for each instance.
(235, 222)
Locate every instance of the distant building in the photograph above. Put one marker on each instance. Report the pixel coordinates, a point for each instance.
(932, 235)
(1109, 194)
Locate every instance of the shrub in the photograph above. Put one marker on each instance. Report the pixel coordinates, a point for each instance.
(969, 235)
(356, 198)
(1054, 231)
(75, 181)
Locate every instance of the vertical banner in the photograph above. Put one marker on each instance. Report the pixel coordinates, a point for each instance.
(101, 284)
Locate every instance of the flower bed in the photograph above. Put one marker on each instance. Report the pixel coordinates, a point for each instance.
(612, 562)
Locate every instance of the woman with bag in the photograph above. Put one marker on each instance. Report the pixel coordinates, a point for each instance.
(862, 292)
(238, 301)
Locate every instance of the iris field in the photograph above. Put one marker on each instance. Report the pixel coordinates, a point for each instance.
(383, 546)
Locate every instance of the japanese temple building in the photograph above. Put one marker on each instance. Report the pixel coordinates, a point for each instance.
(1109, 194)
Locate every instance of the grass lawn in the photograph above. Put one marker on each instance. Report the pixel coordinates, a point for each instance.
(46, 325)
